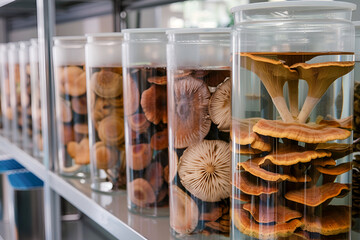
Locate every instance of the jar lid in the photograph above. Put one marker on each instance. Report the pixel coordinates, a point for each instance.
(104, 37)
(145, 34)
(69, 40)
(145, 30)
(198, 30)
(299, 5)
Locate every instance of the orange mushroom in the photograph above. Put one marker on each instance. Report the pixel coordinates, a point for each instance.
(154, 104)
(244, 149)
(308, 133)
(72, 80)
(250, 185)
(111, 130)
(323, 162)
(159, 140)
(140, 192)
(273, 74)
(107, 84)
(104, 156)
(319, 76)
(340, 123)
(338, 150)
(140, 156)
(160, 80)
(335, 170)
(138, 122)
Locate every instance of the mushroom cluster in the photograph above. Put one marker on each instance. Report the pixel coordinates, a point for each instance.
(356, 160)
(286, 173)
(73, 122)
(200, 172)
(107, 126)
(145, 109)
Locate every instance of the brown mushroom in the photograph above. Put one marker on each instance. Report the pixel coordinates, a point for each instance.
(251, 185)
(339, 123)
(217, 226)
(220, 106)
(140, 156)
(243, 222)
(184, 213)
(319, 76)
(79, 105)
(338, 150)
(138, 122)
(308, 133)
(67, 133)
(214, 214)
(204, 170)
(141, 193)
(81, 128)
(333, 220)
(105, 158)
(154, 175)
(191, 121)
(316, 195)
(323, 162)
(111, 130)
(160, 80)
(131, 96)
(243, 197)
(72, 81)
(273, 74)
(154, 104)
(159, 140)
(80, 151)
(335, 170)
(66, 113)
(106, 84)
(244, 149)
(269, 214)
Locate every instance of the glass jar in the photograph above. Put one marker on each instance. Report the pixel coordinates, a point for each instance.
(199, 174)
(6, 115)
(15, 92)
(105, 101)
(71, 106)
(144, 75)
(25, 99)
(36, 100)
(292, 106)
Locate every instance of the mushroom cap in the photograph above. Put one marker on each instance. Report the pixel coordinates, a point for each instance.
(80, 152)
(220, 106)
(154, 104)
(111, 130)
(140, 192)
(323, 162)
(251, 185)
(184, 213)
(131, 96)
(248, 226)
(67, 134)
(105, 158)
(140, 156)
(316, 195)
(308, 133)
(159, 140)
(333, 220)
(81, 128)
(335, 170)
(159, 80)
(252, 166)
(154, 175)
(269, 214)
(106, 84)
(338, 150)
(72, 80)
(79, 105)
(243, 197)
(138, 122)
(191, 121)
(204, 170)
(242, 130)
(244, 149)
(339, 123)
(66, 113)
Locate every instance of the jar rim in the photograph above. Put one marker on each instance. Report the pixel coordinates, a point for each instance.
(69, 39)
(145, 30)
(198, 30)
(296, 4)
(104, 35)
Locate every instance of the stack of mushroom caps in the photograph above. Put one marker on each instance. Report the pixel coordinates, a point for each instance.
(287, 184)
(356, 170)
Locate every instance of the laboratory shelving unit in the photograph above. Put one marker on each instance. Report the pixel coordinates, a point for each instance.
(108, 211)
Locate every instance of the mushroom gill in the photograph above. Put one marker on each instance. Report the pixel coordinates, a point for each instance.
(190, 110)
(220, 106)
(154, 104)
(204, 170)
(273, 74)
(319, 76)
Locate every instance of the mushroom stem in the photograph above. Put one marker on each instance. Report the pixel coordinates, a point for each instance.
(308, 106)
(282, 108)
(294, 97)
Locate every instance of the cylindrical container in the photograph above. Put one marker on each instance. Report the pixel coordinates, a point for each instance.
(25, 99)
(292, 106)
(146, 138)
(71, 106)
(15, 92)
(35, 100)
(199, 174)
(6, 116)
(106, 121)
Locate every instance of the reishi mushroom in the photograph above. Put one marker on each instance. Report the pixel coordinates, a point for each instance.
(72, 80)
(106, 84)
(220, 106)
(141, 193)
(104, 156)
(111, 130)
(159, 140)
(138, 122)
(140, 156)
(251, 185)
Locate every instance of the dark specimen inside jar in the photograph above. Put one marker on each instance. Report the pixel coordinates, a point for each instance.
(200, 116)
(26, 103)
(292, 189)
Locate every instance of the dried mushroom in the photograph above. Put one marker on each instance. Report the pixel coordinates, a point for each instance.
(106, 84)
(72, 80)
(160, 80)
(140, 155)
(141, 193)
(111, 130)
(191, 116)
(138, 122)
(341, 123)
(319, 76)
(81, 128)
(316, 195)
(204, 170)
(335, 170)
(159, 140)
(184, 213)
(66, 113)
(323, 162)
(132, 98)
(79, 105)
(220, 106)
(104, 156)
(242, 130)
(244, 149)
(338, 150)
(153, 102)
(308, 133)
(251, 185)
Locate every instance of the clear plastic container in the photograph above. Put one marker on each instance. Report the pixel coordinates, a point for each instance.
(71, 106)
(292, 106)
(25, 93)
(199, 174)
(144, 76)
(35, 100)
(6, 115)
(15, 92)
(106, 121)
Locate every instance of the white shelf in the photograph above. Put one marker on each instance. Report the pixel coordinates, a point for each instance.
(109, 211)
